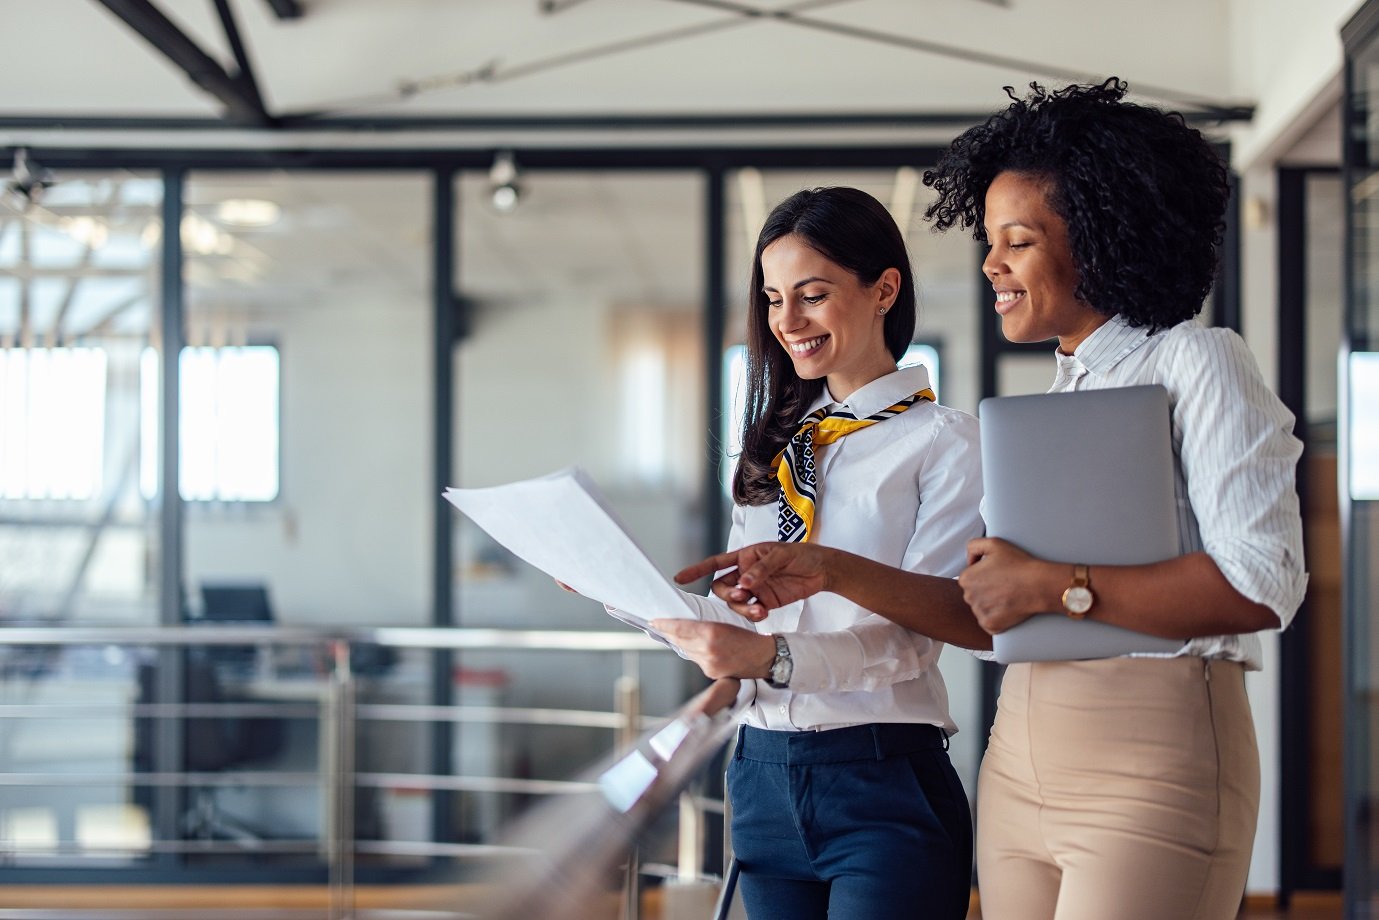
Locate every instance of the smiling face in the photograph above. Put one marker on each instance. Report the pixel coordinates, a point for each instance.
(830, 324)
(1030, 265)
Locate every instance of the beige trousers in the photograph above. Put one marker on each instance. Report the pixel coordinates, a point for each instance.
(1122, 789)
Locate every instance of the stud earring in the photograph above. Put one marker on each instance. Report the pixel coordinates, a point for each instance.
(882, 311)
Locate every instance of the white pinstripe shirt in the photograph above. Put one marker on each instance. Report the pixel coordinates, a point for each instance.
(904, 492)
(1235, 458)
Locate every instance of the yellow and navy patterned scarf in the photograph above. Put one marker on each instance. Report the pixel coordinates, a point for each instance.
(795, 464)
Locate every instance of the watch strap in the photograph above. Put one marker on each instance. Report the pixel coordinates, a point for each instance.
(782, 666)
(1078, 597)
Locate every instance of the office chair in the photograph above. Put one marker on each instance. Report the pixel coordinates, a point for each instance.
(234, 603)
(208, 745)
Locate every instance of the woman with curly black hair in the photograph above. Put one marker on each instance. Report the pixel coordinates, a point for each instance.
(1123, 787)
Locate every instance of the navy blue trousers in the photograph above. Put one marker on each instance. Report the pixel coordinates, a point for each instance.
(869, 821)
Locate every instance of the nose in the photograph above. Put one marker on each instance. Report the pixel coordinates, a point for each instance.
(790, 317)
(991, 265)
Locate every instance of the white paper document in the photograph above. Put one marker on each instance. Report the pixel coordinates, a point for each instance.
(563, 526)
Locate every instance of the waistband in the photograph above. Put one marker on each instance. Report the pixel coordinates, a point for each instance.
(838, 745)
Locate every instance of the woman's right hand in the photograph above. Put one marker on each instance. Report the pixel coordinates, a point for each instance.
(764, 576)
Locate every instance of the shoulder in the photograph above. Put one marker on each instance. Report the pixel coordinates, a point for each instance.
(1215, 383)
(933, 419)
(939, 431)
(1193, 357)
(955, 420)
(1204, 347)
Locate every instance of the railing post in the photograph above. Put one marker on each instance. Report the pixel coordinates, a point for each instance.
(690, 896)
(691, 842)
(337, 726)
(627, 694)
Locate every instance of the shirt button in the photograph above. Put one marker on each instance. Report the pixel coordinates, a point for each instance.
(784, 710)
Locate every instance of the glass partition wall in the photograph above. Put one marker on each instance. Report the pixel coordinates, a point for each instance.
(309, 431)
(79, 268)
(581, 319)
(79, 289)
(306, 439)
(1358, 416)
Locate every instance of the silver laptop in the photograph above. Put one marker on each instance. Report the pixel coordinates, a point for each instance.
(1080, 477)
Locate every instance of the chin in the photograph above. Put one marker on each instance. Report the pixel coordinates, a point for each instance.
(1020, 333)
(1011, 329)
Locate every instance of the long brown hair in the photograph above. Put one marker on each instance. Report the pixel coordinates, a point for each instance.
(854, 230)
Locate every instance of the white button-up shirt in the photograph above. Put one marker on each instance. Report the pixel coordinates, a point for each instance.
(905, 492)
(1235, 458)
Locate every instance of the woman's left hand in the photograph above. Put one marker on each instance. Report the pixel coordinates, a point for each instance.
(720, 650)
(1004, 585)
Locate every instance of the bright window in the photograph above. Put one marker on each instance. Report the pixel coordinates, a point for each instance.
(228, 419)
(735, 394)
(1364, 426)
(52, 422)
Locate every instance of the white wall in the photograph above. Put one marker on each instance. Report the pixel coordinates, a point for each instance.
(349, 540)
(1289, 62)
(1285, 58)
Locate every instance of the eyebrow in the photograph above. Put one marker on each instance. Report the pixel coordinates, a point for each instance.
(799, 284)
(1015, 223)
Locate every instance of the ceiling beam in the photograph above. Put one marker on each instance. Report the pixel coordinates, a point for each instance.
(246, 70)
(550, 7)
(240, 100)
(600, 123)
(285, 9)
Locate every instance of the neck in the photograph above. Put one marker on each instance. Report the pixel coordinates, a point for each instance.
(1067, 344)
(844, 384)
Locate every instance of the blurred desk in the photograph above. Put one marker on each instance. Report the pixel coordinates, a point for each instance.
(382, 745)
(308, 688)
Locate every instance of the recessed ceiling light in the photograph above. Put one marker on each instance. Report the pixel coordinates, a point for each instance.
(247, 212)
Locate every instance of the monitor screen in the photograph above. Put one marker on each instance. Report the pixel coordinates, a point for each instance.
(230, 603)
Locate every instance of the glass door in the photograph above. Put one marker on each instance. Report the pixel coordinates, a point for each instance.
(1359, 459)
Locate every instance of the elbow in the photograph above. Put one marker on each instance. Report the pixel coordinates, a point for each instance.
(1258, 618)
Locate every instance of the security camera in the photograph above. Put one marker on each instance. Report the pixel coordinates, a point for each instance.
(27, 181)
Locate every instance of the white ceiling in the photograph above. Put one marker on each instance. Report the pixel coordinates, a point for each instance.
(618, 57)
(629, 238)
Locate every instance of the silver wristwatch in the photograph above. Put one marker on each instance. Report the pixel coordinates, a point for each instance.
(782, 666)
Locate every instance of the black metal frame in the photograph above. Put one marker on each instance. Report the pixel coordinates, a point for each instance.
(1358, 36)
(1297, 872)
(238, 92)
(446, 331)
(168, 801)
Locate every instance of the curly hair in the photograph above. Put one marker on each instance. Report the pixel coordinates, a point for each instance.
(1143, 195)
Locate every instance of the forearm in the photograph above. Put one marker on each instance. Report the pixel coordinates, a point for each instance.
(927, 604)
(1181, 598)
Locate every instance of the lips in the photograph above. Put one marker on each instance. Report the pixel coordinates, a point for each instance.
(807, 347)
(1007, 300)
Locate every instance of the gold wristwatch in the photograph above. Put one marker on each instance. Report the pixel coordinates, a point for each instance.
(1078, 598)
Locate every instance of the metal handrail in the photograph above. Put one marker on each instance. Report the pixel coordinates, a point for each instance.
(336, 706)
(457, 638)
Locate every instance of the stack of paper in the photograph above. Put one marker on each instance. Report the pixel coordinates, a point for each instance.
(563, 526)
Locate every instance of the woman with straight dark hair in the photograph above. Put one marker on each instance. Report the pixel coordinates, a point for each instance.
(1122, 787)
(844, 802)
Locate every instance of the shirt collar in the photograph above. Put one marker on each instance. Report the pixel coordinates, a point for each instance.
(1106, 347)
(881, 393)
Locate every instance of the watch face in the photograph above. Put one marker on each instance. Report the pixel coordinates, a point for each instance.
(1078, 599)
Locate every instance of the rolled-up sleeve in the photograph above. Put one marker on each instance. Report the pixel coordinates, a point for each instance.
(1239, 458)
